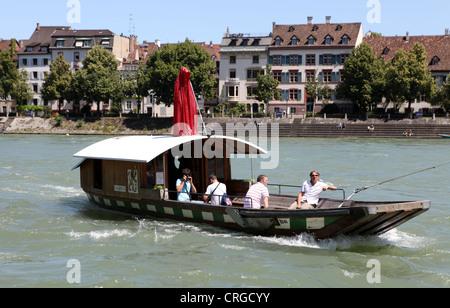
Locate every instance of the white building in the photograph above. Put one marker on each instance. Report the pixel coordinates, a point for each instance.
(35, 59)
(242, 58)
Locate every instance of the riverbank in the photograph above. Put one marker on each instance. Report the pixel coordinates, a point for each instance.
(316, 127)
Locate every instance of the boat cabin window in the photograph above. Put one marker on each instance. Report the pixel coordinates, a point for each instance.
(153, 168)
(217, 166)
(98, 174)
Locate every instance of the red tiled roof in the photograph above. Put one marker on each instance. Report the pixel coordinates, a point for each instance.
(435, 46)
(319, 31)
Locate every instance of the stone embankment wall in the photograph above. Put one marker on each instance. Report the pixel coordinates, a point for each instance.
(421, 128)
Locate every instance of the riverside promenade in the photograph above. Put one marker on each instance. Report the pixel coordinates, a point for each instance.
(310, 127)
(329, 128)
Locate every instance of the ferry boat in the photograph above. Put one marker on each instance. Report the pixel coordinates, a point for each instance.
(138, 174)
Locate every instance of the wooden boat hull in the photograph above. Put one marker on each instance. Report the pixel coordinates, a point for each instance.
(361, 218)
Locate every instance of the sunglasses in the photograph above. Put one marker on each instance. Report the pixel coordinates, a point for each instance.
(314, 175)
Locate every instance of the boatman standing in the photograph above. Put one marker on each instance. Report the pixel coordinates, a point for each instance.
(258, 195)
(308, 198)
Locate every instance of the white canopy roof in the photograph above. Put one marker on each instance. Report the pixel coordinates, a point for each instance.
(146, 148)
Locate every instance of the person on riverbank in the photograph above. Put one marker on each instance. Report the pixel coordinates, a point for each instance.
(257, 196)
(309, 195)
(184, 186)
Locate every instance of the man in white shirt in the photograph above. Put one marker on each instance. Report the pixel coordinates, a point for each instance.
(215, 190)
(310, 192)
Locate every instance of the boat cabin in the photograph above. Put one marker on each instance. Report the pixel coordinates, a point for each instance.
(147, 167)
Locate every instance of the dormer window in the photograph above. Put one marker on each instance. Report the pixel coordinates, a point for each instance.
(291, 29)
(315, 28)
(311, 40)
(345, 40)
(294, 41)
(277, 41)
(385, 51)
(338, 28)
(328, 40)
(435, 60)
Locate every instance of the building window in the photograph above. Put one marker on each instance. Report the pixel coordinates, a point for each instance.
(253, 74)
(293, 95)
(277, 75)
(326, 76)
(327, 59)
(35, 88)
(76, 56)
(293, 76)
(35, 75)
(35, 62)
(328, 40)
(310, 75)
(87, 43)
(251, 91)
(45, 61)
(232, 59)
(311, 40)
(233, 91)
(310, 59)
(232, 74)
(105, 43)
(129, 105)
(293, 60)
(24, 62)
(294, 41)
(345, 40)
(60, 43)
(277, 60)
(255, 59)
(278, 41)
(344, 58)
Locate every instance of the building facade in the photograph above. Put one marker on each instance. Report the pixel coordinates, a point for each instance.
(308, 52)
(242, 59)
(437, 48)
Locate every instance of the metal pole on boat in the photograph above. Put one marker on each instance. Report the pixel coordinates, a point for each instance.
(198, 109)
(390, 180)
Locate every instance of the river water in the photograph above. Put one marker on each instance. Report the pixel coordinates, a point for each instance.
(51, 236)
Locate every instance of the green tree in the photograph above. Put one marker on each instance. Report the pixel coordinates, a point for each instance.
(315, 89)
(57, 82)
(22, 92)
(363, 78)
(408, 77)
(267, 87)
(99, 78)
(163, 67)
(9, 75)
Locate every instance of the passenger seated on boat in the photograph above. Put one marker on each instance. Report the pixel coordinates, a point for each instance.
(309, 195)
(184, 186)
(214, 191)
(257, 196)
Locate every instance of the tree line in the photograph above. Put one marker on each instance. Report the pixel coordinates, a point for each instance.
(368, 80)
(98, 80)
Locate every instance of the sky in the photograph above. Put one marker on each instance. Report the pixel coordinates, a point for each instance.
(172, 21)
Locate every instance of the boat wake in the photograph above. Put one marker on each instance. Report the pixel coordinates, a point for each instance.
(394, 238)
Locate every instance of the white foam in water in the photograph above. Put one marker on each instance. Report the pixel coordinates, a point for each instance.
(96, 235)
(392, 238)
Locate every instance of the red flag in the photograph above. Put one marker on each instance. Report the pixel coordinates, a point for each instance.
(185, 120)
